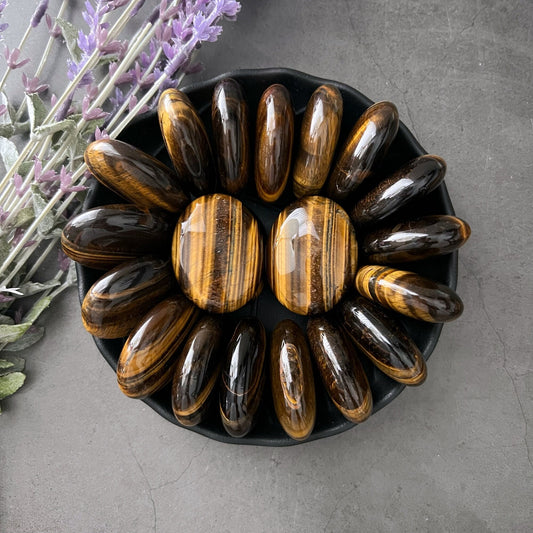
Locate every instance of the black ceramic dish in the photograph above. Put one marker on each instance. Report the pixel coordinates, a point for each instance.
(145, 134)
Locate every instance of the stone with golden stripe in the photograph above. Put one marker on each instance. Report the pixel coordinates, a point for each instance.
(312, 255)
(409, 293)
(148, 358)
(217, 253)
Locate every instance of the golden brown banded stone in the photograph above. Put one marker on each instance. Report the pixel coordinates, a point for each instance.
(186, 141)
(217, 253)
(118, 300)
(409, 294)
(273, 142)
(312, 255)
(135, 175)
(367, 143)
(147, 360)
(293, 386)
(318, 139)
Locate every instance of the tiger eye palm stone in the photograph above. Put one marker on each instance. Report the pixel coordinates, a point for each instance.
(341, 371)
(318, 139)
(197, 371)
(413, 240)
(274, 137)
(415, 179)
(229, 115)
(118, 300)
(243, 377)
(409, 294)
(312, 255)
(104, 237)
(186, 141)
(383, 340)
(291, 374)
(367, 143)
(217, 253)
(135, 175)
(148, 358)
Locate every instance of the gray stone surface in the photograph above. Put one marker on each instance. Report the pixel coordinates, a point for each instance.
(452, 455)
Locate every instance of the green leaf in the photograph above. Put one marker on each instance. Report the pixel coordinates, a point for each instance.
(12, 332)
(67, 125)
(5, 364)
(29, 338)
(17, 364)
(24, 217)
(38, 307)
(25, 167)
(7, 130)
(11, 383)
(40, 203)
(70, 34)
(5, 248)
(29, 288)
(4, 319)
(8, 152)
(36, 110)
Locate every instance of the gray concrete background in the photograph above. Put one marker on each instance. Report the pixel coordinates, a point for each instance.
(452, 455)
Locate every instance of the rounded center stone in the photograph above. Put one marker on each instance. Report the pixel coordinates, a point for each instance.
(217, 253)
(312, 255)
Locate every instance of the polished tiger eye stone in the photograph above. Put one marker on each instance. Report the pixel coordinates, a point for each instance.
(197, 371)
(274, 138)
(413, 240)
(114, 305)
(383, 340)
(319, 134)
(106, 236)
(312, 255)
(217, 253)
(135, 175)
(186, 141)
(409, 294)
(293, 386)
(229, 115)
(415, 179)
(341, 371)
(243, 377)
(147, 360)
(367, 143)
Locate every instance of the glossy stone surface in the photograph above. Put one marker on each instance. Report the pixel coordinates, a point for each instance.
(414, 240)
(229, 115)
(106, 236)
(408, 293)
(186, 141)
(312, 255)
(243, 377)
(291, 376)
(148, 357)
(217, 253)
(318, 139)
(367, 143)
(197, 371)
(274, 136)
(341, 371)
(383, 340)
(415, 179)
(118, 300)
(135, 175)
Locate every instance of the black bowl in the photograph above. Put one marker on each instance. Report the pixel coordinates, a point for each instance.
(145, 134)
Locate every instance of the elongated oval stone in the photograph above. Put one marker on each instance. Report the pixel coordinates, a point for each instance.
(106, 236)
(118, 300)
(383, 340)
(318, 139)
(340, 369)
(229, 115)
(217, 253)
(243, 377)
(367, 143)
(312, 255)
(413, 240)
(274, 138)
(186, 141)
(293, 386)
(409, 294)
(147, 360)
(415, 179)
(197, 371)
(135, 175)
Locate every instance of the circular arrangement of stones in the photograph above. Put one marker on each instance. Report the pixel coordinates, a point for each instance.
(184, 251)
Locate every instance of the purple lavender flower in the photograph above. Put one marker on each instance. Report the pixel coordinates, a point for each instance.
(91, 114)
(12, 58)
(65, 180)
(40, 176)
(33, 85)
(3, 109)
(53, 29)
(18, 183)
(63, 261)
(39, 12)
